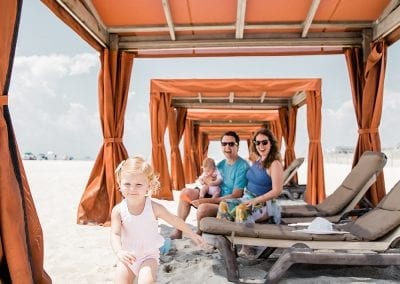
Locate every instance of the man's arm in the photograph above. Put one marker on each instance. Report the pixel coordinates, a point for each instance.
(237, 193)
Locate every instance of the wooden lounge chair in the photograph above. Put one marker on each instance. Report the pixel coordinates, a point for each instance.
(345, 198)
(372, 239)
(292, 191)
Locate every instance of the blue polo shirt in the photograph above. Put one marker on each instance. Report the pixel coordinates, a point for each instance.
(234, 176)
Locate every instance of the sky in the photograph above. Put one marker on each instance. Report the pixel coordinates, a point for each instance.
(53, 91)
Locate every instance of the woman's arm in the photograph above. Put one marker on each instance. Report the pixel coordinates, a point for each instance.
(237, 193)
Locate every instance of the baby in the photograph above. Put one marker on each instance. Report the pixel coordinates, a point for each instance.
(210, 179)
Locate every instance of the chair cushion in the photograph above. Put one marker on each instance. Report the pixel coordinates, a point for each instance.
(336, 202)
(381, 220)
(392, 200)
(300, 211)
(369, 164)
(374, 224)
(216, 226)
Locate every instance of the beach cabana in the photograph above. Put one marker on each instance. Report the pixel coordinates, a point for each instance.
(120, 32)
(284, 96)
(210, 124)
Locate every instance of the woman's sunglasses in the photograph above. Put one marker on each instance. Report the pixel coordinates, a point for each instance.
(231, 144)
(264, 142)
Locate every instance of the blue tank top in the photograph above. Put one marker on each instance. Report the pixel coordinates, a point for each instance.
(259, 182)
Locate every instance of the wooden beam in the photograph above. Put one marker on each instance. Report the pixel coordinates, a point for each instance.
(85, 17)
(231, 97)
(299, 99)
(366, 44)
(387, 24)
(229, 122)
(388, 9)
(168, 17)
(348, 39)
(310, 16)
(240, 17)
(232, 27)
(92, 9)
(224, 105)
(263, 94)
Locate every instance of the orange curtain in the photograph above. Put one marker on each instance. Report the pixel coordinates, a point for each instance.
(203, 143)
(195, 152)
(190, 167)
(288, 123)
(176, 127)
(101, 192)
(159, 106)
(368, 106)
(21, 236)
(277, 131)
(315, 192)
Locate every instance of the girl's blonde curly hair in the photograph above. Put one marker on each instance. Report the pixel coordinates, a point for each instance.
(138, 165)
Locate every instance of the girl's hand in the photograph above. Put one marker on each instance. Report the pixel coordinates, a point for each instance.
(198, 240)
(126, 257)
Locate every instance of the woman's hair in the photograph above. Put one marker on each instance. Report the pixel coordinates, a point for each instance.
(138, 166)
(273, 154)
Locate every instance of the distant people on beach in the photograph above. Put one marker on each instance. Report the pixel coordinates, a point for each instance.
(233, 170)
(135, 237)
(265, 183)
(210, 179)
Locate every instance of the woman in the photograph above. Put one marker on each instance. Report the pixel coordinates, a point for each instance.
(265, 182)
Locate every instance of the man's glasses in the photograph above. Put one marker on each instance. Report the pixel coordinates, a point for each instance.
(230, 144)
(264, 142)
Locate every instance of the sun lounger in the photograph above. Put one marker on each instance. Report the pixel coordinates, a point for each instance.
(292, 191)
(372, 239)
(345, 198)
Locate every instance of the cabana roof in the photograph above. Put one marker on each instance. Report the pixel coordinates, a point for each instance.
(236, 93)
(157, 28)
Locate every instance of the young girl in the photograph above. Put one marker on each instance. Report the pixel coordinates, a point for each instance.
(135, 238)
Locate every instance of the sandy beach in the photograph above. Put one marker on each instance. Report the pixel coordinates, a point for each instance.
(82, 254)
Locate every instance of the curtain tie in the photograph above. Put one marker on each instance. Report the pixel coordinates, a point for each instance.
(112, 140)
(3, 100)
(367, 130)
(315, 140)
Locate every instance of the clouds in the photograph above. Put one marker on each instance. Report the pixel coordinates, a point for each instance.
(54, 105)
(49, 111)
(339, 126)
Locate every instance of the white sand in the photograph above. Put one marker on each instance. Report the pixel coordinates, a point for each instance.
(82, 254)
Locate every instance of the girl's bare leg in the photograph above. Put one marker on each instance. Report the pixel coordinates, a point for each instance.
(123, 274)
(148, 271)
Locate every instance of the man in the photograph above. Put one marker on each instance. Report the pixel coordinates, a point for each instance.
(233, 170)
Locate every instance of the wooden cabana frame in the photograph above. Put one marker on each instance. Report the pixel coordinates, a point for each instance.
(283, 96)
(360, 29)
